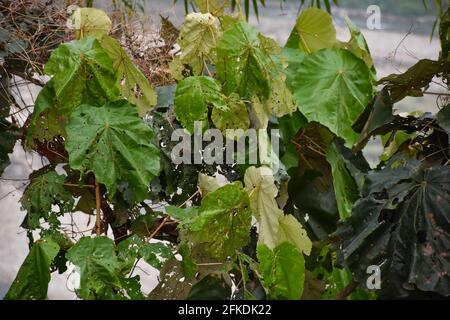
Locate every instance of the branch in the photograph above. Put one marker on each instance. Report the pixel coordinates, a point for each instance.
(98, 221)
(347, 290)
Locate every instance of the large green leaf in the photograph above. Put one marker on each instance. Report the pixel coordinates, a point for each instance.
(133, 85)
(224, 221)
(193, 97)
(344, 185)
(401, 225)
(313, 31)
(82, 73)
(411, 82)
(243, 62)
(98, 265)
(115, 144)
(31, 282)
(46, 189)
(282, 271)
(333, 87)
(198, 39)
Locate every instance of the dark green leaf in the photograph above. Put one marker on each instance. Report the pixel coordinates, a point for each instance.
(401, 225)
(32, 280)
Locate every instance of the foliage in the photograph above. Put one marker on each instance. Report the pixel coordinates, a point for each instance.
(308, 227)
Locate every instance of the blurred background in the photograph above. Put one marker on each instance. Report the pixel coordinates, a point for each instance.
(404, 38)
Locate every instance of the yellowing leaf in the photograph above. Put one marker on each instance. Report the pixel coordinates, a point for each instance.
(198, 39)
(215, 7)
(260, 184)
(292, 231)
(208, 184)
(90, 22)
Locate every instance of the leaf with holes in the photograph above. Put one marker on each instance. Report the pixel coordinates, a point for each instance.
(133, 85)
(198, 39)
(243, 64)
(115, 144)
(46, 189)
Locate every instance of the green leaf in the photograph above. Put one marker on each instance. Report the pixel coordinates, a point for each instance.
(198, 39)
(98, 265)
(345, 187)
(82, 73)
(115, 144)
(48, 119)
(333, 87)
(243, 63)
(208, 184)
(90, 22)
(216, 7)
(127, 252)
(133, 85)
(401, 224)
(294, 58)
(282, 271)
(46, 189)
(224, 221)
(193, 97)
(235, 116)
(31, 282)
(292, 231)
(210, 287)
(313, 31)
